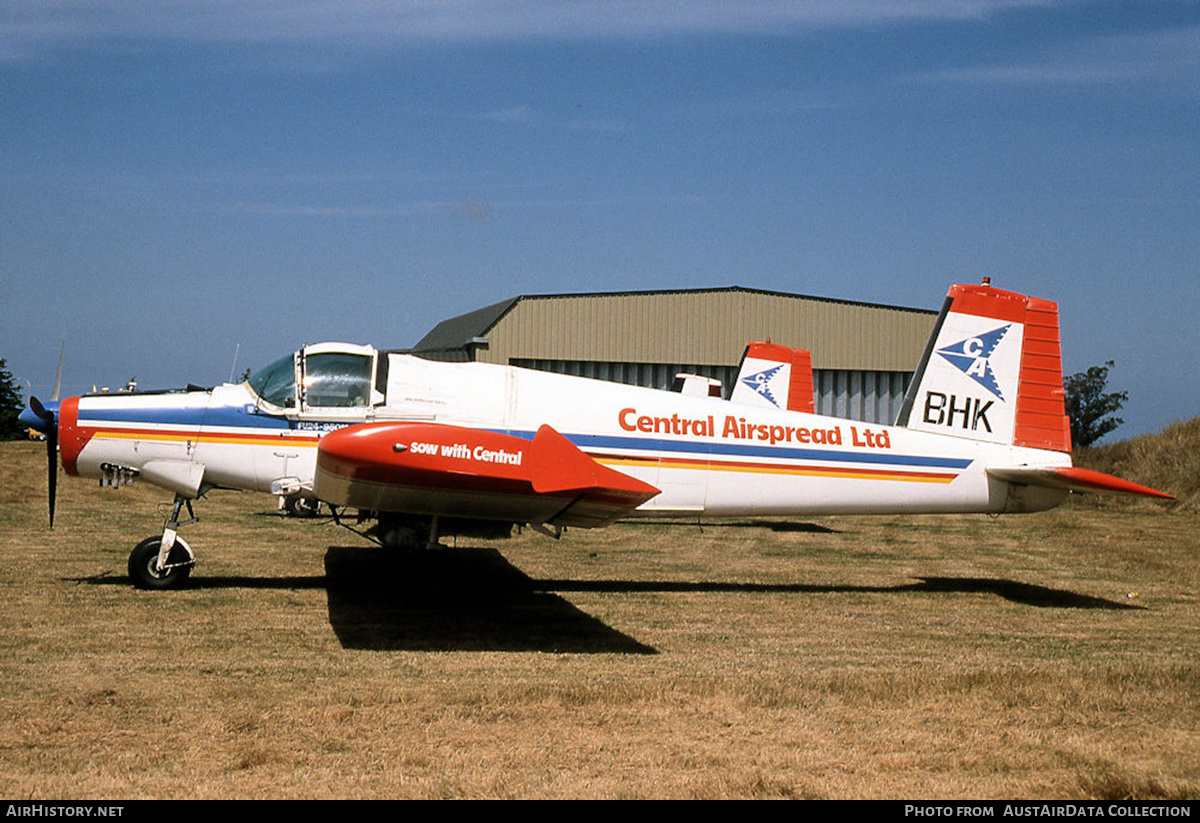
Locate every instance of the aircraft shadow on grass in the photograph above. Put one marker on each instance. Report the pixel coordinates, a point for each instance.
(777, 525)
(1024, 593)
(455, 600)
(473, 599)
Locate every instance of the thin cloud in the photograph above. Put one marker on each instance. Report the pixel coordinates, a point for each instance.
(411, 209)
(771, 103)
(516, 115)
(1156, 57)
(600, 126)
(477, 210)
(27, 28)
(528, 116)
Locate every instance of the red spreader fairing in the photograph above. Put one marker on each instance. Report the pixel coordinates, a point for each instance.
(430, 468)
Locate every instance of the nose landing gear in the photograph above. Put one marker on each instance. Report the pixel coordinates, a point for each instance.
(164, 562)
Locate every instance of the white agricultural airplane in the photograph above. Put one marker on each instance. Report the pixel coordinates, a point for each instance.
(427, 447)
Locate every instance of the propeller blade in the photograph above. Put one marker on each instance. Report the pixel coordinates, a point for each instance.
(52, 470)
(58, 375)
(51, 431)
(37, 416)
(37, 408)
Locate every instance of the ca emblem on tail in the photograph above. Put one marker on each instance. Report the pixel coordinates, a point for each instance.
(971, 355)
(761, 383)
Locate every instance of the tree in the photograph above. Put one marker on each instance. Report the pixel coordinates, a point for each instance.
(1090, 407)
(10, 406)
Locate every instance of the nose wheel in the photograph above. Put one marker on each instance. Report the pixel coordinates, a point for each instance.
(144, 568)
(164, 562)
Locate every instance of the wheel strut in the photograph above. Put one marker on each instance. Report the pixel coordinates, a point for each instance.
(164, 562)
(172, 526)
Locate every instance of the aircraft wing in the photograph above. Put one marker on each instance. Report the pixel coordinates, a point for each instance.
(1074, 479)
(455, 471)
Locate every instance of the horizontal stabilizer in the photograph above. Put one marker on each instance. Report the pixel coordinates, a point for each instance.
(1075, 479)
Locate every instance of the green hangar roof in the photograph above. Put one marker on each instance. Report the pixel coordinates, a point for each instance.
(683, 326)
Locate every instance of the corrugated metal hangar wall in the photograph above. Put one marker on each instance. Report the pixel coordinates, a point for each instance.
(863, 354)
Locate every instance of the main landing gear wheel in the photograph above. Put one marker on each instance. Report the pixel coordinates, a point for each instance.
(297, 505)
(143, 565)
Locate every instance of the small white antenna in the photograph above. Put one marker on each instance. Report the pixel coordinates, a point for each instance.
(233, 365)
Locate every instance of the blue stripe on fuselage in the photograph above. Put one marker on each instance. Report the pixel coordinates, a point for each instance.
(244, 417)
(588, 442)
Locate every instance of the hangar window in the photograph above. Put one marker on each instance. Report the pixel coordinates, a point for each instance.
(338, 380)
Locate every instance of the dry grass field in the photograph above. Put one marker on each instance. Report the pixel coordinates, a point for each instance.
(1046, 656)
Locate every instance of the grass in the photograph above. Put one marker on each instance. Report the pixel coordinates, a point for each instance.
(1044, 656)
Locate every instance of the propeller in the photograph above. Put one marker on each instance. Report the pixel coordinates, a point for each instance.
(44, 420)
(49, 426)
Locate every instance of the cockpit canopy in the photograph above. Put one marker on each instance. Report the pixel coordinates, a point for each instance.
(276, 383)
(329, 376)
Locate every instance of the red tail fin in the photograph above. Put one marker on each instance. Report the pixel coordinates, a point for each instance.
(992, 371)
(775, 376)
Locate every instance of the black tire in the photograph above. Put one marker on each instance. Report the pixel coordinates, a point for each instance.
(144, 558)
(299, 506)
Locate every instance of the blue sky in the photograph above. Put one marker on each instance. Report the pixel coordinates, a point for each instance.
(183, 179)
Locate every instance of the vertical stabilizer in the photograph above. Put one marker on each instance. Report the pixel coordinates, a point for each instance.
(992, 371)
(774, 376)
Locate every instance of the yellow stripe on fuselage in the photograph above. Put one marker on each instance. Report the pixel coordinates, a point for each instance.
(796, 471)
(236, 439)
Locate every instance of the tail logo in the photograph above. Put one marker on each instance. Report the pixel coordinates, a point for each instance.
(761, 383)
(970, 356)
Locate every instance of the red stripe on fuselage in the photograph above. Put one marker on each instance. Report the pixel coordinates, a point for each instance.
(833, 470)
(205, 436)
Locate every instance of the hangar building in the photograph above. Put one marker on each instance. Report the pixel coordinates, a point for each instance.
(863, 354)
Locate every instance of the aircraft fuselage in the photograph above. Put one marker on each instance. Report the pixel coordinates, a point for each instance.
(708, 456)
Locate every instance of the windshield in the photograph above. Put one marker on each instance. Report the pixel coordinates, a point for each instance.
(337, 379)
(276, 384)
